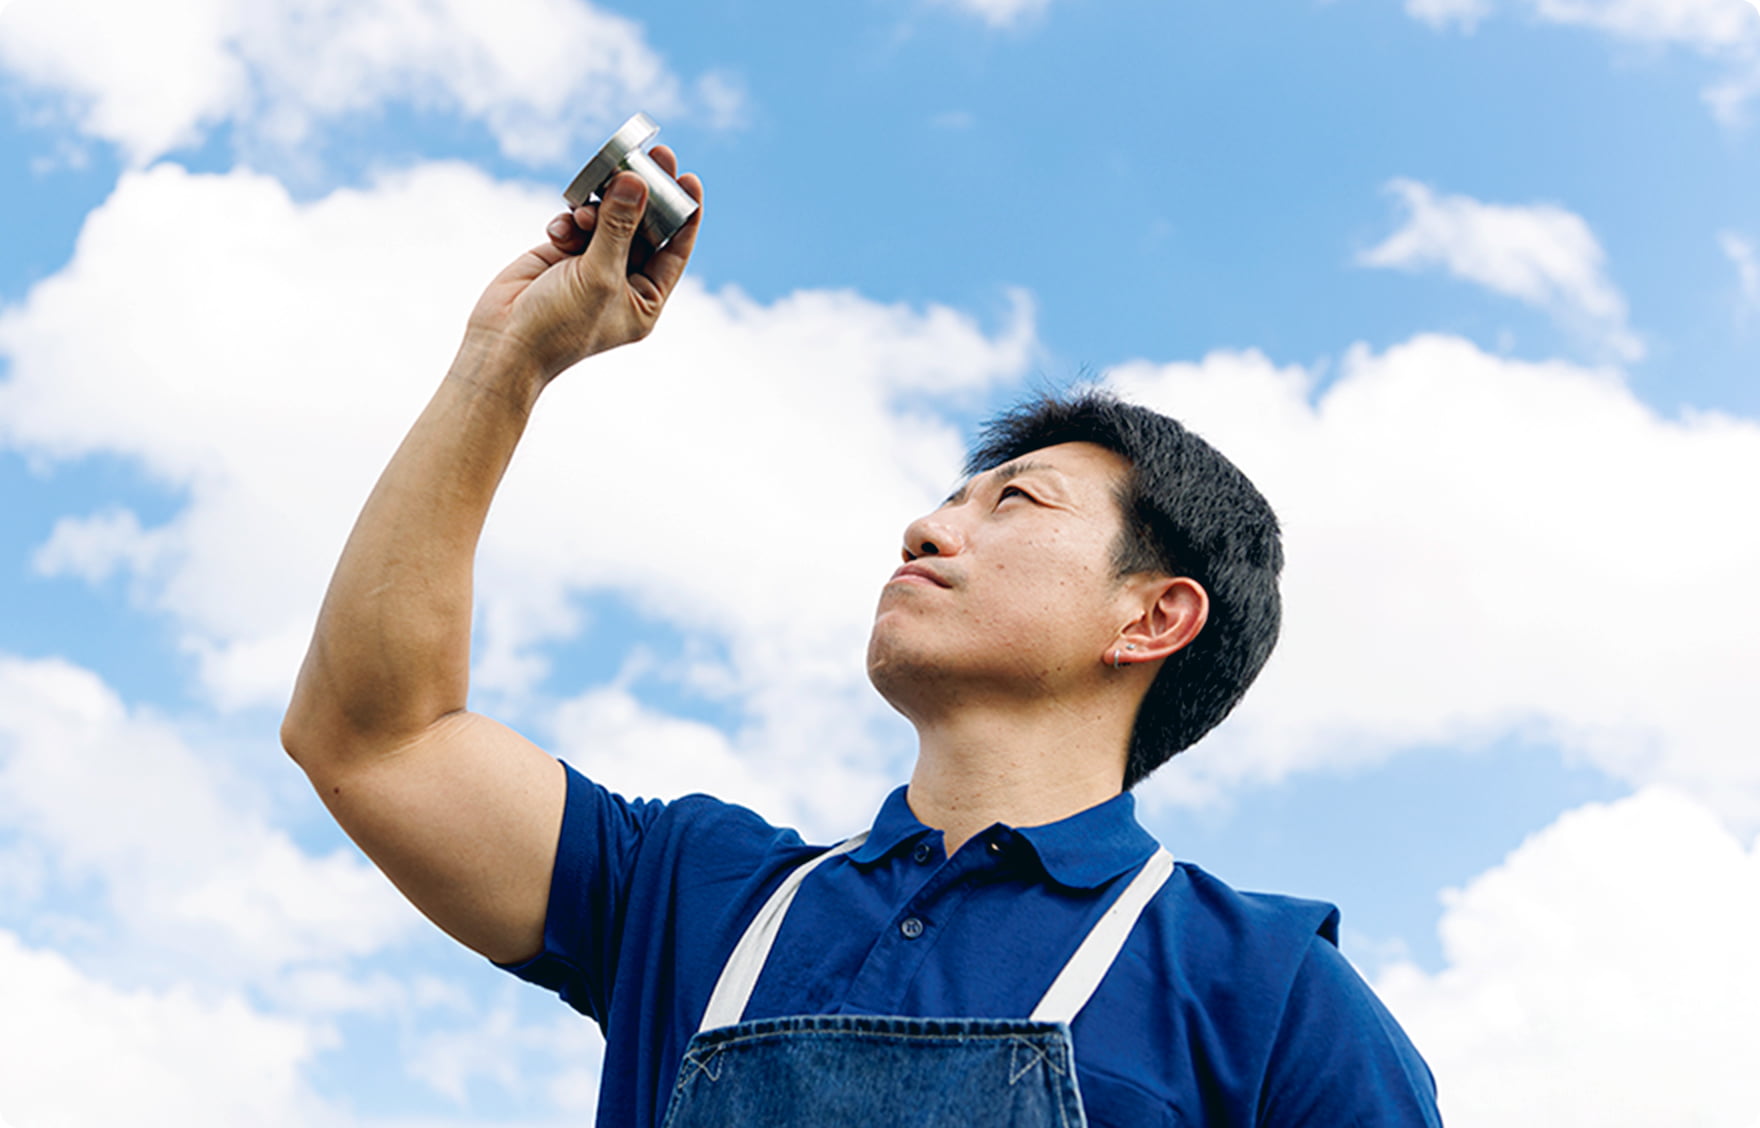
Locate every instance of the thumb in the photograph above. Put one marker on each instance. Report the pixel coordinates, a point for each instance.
(620, 212)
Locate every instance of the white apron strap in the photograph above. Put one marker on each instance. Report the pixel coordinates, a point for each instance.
(734, 989)
(1068, 994)
(1081, 976)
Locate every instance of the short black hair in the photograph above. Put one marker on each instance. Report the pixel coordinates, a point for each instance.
(1188, 511)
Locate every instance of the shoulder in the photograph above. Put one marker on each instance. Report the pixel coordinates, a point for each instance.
(595, 808)
(1231, 956)
(1266, 989)
(1342, 1058)
(1209, 922)
(1214, 964)
(694, 834)
(642, 876)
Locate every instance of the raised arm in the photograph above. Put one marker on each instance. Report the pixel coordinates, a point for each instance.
(460, 812)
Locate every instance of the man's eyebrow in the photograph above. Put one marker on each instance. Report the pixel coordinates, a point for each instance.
(1006, 472)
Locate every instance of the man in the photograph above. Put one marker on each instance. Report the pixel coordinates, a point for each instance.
(1005, 945)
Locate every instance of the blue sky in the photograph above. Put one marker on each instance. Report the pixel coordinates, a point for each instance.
(1471, 288)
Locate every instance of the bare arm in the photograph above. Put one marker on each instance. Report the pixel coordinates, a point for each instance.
(460, 812)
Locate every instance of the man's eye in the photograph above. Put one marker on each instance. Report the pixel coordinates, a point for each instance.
(1010, 491)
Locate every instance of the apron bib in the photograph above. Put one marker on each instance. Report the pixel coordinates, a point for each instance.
(838, 1071)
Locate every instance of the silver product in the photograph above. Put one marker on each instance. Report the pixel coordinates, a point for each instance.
(669, 205)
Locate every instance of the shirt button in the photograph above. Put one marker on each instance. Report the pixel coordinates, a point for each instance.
(995, 846)
(923, 853)
(911, 927)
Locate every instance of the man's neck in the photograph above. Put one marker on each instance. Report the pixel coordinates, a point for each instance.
(979, 767)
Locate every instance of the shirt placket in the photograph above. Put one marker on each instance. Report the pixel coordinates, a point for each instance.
(905, 941)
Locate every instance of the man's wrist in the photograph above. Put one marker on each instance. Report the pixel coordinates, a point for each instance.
(490, 362)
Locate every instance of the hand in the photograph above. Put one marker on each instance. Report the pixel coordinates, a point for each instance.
(592, 287)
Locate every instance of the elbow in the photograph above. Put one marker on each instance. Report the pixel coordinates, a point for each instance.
(299, 738)
(302, 723)
(336, 721)
(323, 733)
(313, 729)
(318, 729)
(293, 737)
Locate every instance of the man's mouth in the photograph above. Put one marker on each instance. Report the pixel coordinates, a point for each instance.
(917, 572)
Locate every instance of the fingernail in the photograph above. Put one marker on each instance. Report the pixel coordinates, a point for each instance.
(625, 189)
(560, 228)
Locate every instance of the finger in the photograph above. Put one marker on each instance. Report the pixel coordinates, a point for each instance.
(565, 235)
(548, 255)
(693, 186)
(529, 265)
(620, 211)
(666, 159)
(586, 219)
(667, 265)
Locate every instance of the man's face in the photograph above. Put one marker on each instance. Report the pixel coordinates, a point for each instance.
(1009, 586)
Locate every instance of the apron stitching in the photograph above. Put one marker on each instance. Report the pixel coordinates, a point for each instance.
(874, 1036)
(1034, 1055)
(693, 1065)
(1063, 1106)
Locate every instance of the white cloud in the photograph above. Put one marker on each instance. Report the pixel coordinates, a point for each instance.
(1729, 99)
(1743, 257)
(724, 99)
(1601, 977)
(1709, 25)
(76, 1052)
(545, 77)
(766, 542)
(97, 793)
(266, 382)
(327, 991)
(825, 790)
(611, 737)
(1539, 254)
(558, 1057)
(148, 77)
(210, 970)
(97, 546)
(1479, 546)
(1001, 13)
(1723, 30)
(1464, 14)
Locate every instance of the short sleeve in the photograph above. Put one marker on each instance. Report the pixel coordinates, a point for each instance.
(589, 887)
(1340, 1059)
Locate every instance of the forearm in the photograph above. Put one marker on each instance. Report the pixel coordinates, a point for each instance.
(391, 653)
(461, 813)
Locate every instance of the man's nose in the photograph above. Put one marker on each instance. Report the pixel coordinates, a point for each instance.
(932, 535)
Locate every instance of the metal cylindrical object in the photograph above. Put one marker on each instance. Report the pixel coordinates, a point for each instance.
(669, 205)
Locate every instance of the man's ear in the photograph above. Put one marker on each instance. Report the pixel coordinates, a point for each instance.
(1173, 610)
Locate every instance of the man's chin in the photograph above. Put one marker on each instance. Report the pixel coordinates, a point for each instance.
(899, 673)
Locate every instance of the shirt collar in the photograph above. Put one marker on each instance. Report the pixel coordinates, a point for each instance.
(893, 827)
(1084, 851)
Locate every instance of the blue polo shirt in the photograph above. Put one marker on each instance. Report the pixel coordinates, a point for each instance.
(1223, 1009)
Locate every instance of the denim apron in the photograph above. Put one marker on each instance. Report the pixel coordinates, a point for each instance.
(836, 1071)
